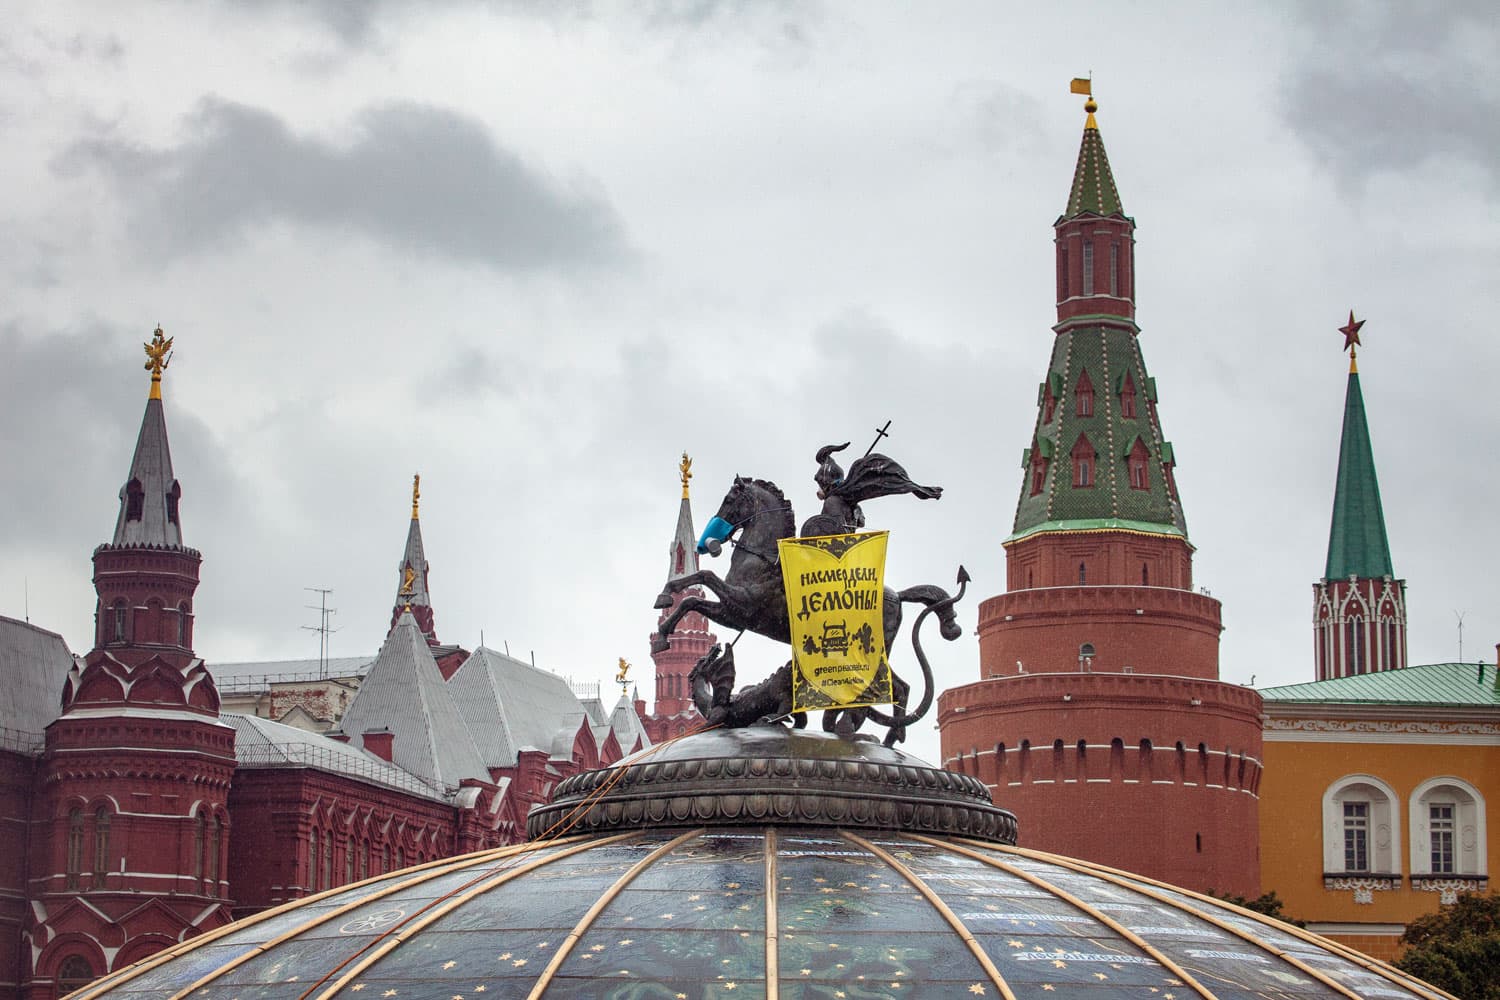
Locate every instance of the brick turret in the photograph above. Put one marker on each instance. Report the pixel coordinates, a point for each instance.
(1359, 607)
(133, 830)
(1100, 694)
(673, 712)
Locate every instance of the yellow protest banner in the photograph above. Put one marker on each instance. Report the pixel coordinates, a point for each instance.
(836, 606)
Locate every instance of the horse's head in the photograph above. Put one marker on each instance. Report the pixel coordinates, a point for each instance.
(751, 503)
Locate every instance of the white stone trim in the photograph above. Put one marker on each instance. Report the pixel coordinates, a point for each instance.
(1469, 827)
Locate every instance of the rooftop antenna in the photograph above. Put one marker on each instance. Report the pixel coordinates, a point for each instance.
(323, 629)
(1460, 618)
(26, 598)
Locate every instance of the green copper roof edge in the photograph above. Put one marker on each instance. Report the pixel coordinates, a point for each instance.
(1099, 524)
(1430, 684)
(1095, 319)
(1085, 214)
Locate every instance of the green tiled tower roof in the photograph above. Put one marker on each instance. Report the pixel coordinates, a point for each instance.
(1093, 183)
(1111, 357)
(1357, 543)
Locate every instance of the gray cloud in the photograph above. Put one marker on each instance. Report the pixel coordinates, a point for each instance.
(1388, 87)
(417, 177)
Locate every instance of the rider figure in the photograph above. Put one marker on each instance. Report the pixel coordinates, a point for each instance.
(873, 475)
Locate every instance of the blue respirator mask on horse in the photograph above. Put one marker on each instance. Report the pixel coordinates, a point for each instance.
(714, 534)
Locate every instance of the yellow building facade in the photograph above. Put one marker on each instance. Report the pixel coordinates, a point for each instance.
(1374, 805)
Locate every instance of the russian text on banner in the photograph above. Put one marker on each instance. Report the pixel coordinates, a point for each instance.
(835, 595)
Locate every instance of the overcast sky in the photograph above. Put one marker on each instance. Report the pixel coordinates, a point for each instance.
(535, 251)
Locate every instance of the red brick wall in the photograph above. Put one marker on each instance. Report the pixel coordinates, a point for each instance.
(1188, 818)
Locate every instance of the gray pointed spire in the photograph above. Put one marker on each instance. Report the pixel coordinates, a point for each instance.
(411, 574)
(682, 554)
(148, 500)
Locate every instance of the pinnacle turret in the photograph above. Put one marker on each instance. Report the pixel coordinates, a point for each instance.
(149, 512)
(1359, 608)
(411, 580)
(682, 554)
(1093, 189)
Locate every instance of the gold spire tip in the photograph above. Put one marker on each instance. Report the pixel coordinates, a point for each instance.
(158, 356)
(416, 494)
(685, 469)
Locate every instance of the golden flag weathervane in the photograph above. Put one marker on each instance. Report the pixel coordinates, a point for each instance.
(1085, 85)
(158, 356)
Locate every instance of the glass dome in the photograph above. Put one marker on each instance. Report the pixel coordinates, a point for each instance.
(792, 905)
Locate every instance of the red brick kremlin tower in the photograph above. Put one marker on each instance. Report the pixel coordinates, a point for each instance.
(130, 831)
(673, 713)
(1359, 608)
(1100, 719)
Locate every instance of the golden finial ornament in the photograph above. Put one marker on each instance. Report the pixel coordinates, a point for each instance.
(416, 493)
(1085, 86)
(620, 675)
(685, 467)
(158, 356)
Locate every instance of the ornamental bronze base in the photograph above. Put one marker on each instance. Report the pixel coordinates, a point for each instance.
(771, 775)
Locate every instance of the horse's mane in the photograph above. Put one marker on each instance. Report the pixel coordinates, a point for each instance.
(788, 519)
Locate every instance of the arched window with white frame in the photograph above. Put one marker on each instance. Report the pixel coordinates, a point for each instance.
(1446, 817)
(1361, 827)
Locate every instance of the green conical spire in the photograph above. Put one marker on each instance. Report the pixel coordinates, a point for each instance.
(1357, 544)
(1093, 183)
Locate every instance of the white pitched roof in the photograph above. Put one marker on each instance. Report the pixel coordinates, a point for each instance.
(405, 693)
(510, 706)
(34, 664)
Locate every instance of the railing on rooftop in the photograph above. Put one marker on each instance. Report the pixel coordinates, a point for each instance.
(22, 741)
(336, 762)
(257, 683)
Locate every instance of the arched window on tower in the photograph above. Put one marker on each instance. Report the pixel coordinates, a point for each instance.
(348, 860)
(327, 860)
(1114, 268)
(75, 848)
(198, 838)
(1354, 644)
(1137, 463)
(101, 845)
(1083, 395)
(1127, 397)
(74, 973)
(1083, 574)
(1062, 273)
(174, 495)
(1145, 575)
(679, 562)
(312, 860)
(135, 500)
(1084, 457)
(1088, 268)
(118, 610)
(215, 845)
(183, 613)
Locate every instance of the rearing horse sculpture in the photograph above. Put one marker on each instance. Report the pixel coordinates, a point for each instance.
(752, 596)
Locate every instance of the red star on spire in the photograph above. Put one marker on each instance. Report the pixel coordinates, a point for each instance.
(1351, 331)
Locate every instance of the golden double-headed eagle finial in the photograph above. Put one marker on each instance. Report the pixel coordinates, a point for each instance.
(685, 467)
(158, 356)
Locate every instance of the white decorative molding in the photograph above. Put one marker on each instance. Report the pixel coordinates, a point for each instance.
(1376, 726)
(1363, 886)
(1449, 888)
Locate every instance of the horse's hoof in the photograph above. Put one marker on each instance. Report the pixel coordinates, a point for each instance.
(663, 600)
(660, 644)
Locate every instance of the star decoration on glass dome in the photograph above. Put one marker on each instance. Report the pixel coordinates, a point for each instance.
(1049, 987)
(977, 989)
(389, 993)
